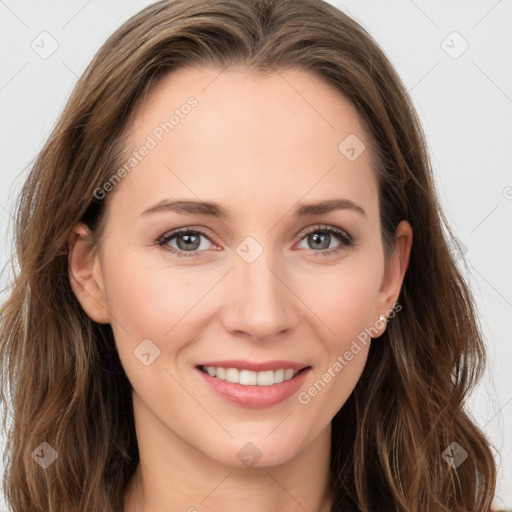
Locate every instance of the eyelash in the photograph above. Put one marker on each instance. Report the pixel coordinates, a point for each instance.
(345, 239)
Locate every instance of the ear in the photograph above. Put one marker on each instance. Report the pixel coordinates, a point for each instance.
(85, 275)
(394, 273)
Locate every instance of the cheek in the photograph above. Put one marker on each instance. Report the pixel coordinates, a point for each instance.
(155, 301)
(135, 297)
(345, 301)
(142, 293)
(344, 298)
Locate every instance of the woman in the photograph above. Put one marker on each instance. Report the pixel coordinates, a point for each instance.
(233, 288)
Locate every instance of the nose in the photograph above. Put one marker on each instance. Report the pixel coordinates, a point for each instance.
(259, 304)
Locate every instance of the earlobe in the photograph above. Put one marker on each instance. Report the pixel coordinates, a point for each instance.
(395, 270)
(85, 275)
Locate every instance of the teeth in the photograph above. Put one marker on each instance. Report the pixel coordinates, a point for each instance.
(232, 375)
(265, 378)
(288, 374)
(249, 378)
(279, 376)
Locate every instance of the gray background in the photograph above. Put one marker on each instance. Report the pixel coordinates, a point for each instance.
(464, 99)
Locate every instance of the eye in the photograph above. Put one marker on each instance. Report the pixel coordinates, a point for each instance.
(320, 238)
(185, 242)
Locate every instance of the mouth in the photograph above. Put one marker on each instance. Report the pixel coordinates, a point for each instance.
(247, 377)
(253, 385)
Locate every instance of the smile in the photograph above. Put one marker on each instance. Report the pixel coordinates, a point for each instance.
(250, 378)
(253, 385)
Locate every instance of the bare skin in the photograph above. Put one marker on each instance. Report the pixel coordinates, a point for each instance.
(260, 148)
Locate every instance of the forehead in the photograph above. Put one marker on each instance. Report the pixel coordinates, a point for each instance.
(257, 107)
(218, 133)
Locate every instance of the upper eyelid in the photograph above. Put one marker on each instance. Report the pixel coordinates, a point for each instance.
(173, 232)
(324, 227)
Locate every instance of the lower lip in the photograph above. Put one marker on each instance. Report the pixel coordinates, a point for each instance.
(255, 396)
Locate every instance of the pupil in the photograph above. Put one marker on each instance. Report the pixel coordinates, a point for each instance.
(189, 243)
(322, 239)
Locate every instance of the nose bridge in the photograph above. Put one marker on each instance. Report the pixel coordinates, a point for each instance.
(259, 302)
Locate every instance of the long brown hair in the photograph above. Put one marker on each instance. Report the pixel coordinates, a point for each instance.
(66, 383)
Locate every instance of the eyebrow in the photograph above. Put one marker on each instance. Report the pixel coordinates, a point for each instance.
(216, 210)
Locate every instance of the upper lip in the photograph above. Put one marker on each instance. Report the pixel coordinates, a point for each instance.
(241, 364)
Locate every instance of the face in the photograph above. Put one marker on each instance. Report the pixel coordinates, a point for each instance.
(257, 282)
